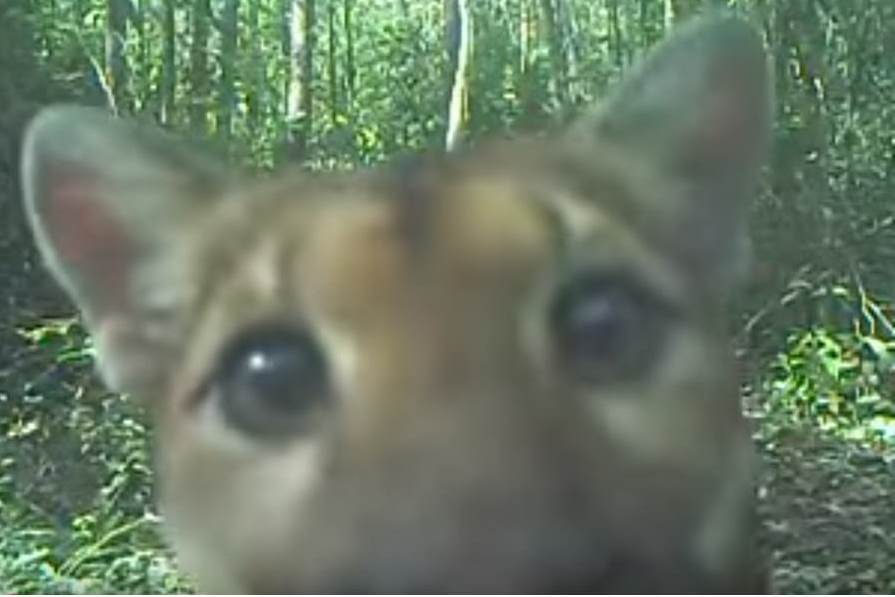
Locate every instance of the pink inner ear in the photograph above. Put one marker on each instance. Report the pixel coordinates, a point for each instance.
(731, 129)
(87, 236)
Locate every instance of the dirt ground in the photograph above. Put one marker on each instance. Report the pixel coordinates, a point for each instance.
(829, 515)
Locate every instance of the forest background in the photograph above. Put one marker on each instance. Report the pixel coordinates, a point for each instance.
(337, 84)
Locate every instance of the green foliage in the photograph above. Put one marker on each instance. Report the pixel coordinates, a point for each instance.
(840, 380)
(105, 555)
(75, 483)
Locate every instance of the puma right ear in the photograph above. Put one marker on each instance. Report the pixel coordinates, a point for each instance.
(698, 109)
(105, 200)
(699, 103)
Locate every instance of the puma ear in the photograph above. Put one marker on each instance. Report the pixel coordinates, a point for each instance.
(698, 103)
(699, 109)
(105, 200)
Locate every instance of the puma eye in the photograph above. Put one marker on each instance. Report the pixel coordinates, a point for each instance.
(270, 381)
(606, 328)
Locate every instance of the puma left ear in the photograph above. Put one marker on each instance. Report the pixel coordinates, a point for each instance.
(698, 108)
(108, 202)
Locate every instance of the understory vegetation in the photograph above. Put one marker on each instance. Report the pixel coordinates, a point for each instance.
(346, 83)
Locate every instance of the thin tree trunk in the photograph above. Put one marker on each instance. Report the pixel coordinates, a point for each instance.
(615, 35)
(643, 17)
(331, 67)
(557, 59)
(169, 63)
(256, 94)
(285, 12)
(531, 95)
(350, 74)
(199, 72)
(458, 38)
(814, 77)
(570, 39)
(668, 14)
(299, 109)
(138, 14)
(116, 72)
(52, 17)
(226, 93)
(627, 42)
(525, 35)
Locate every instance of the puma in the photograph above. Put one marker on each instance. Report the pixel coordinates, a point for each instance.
(503, 370)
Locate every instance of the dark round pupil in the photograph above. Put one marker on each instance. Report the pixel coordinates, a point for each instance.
(269, 379)
(276, 371)
(595, 326)
(592, 323)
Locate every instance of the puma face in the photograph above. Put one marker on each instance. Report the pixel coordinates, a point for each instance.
(497, 371)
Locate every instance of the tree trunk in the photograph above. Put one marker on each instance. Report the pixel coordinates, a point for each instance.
(615, 35)
(255, 97)
(138, 15)
(350, 74)
(814, 78)
(570, 42)
(51, 16)
(331, 67)
(116, 72)
(531, 94)
(199, 73)
(458, 46)
(525, 36)
(226, 93)
(645, 38)
(300, 49)
(169, 63)
(559, 89)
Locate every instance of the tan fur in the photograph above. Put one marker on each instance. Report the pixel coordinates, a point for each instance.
(403, 328)
(455, 449)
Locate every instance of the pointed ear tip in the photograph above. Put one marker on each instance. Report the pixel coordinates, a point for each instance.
(722, 29)
(58, 116)
(47, 125)
(740, 35)
(734, 45)
(56, 129)
(725, 22)
(61, 122)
